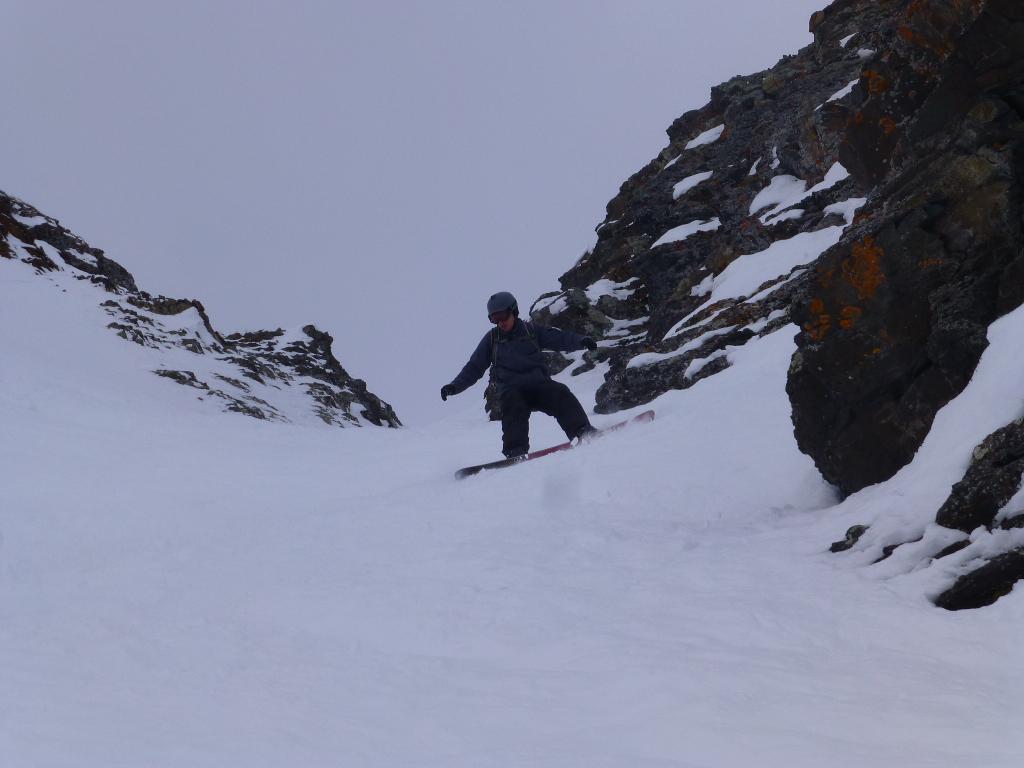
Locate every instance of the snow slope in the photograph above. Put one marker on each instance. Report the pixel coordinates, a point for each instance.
(185, 589)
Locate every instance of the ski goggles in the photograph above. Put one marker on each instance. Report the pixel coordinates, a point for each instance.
(500, 316)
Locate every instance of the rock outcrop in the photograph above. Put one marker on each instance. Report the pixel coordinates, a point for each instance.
(983, 501)
(708, 246)
(989, 483)
(256, 374)
(895, 317)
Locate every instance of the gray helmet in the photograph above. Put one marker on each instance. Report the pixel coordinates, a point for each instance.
(502, 300)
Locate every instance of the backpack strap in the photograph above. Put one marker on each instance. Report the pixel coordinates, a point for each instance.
(532, 335)
(529, 333)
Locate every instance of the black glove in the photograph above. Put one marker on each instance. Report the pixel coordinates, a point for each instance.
(447, 391)
(589, 344)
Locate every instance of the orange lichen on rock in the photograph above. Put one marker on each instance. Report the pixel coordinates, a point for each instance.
(820, 323)
(914, 7)
(877, 82)
(887, 124)
(906, 33)
(826, 278)
(928, 37)
(849, 316)
(974, 6)
(863, 268)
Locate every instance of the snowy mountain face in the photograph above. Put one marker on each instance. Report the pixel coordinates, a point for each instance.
(815, 284)
(868, 189)
(274, 375)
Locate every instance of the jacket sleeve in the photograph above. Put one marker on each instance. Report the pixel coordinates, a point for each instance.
(557, 339)
(477, 366)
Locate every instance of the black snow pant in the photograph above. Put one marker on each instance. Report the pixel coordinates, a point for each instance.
(550, 397)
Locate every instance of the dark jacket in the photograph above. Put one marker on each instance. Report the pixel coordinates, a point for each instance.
(517, 357)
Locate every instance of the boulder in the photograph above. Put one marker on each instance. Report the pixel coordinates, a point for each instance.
(894, 318)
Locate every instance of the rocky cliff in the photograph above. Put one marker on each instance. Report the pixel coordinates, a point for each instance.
(708, 245)
(867, 189)
(271, 375)
(895, 317)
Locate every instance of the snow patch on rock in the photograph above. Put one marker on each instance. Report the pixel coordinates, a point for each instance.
(709, 136)
(684, 186)
(683, 231)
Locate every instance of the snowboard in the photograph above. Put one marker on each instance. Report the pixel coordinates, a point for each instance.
(470, 471)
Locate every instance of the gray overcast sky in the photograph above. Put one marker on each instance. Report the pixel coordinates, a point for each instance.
(376, 168)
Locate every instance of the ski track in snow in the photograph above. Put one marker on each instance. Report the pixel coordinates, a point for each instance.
(181, 588)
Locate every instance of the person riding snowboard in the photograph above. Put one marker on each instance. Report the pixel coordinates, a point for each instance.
(513, 349)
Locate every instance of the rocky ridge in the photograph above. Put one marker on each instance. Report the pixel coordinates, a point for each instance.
(867, 189)
(708, 245)
(273, 375)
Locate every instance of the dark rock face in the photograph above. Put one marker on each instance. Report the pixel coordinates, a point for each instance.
(895, 317)
(991, 481)
(977, 501)
(250, 373)
(987, 584)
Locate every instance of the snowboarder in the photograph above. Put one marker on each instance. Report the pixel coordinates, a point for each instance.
(513, 349)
